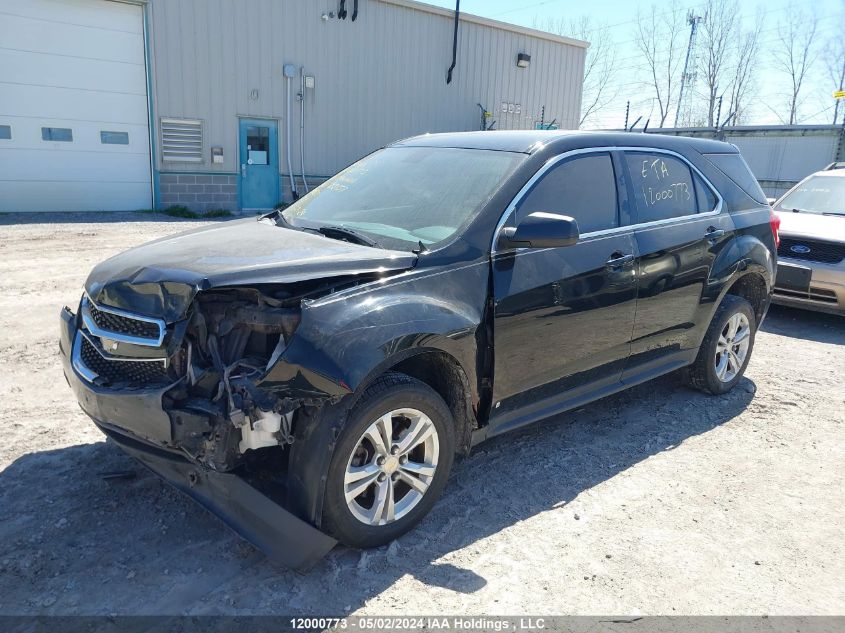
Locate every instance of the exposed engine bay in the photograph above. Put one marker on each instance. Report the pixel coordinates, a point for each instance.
(218, 411)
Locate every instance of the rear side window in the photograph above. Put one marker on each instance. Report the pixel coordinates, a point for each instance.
(735, 168)
(582, 187)
(663, 186)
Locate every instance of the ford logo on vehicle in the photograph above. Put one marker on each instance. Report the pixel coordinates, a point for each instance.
(800, 248)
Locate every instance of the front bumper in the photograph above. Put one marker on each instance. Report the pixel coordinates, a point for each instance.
(136, 421)
(826, 290)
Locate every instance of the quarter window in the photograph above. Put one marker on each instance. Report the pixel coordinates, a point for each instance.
(663, 186)
(5, 132)
(704, 195)
(64, 134)
(582, 187)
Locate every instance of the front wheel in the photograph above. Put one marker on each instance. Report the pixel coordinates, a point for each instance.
(391, 462)
(726, 348)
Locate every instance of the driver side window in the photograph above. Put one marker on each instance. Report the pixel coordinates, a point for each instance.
(582, 187)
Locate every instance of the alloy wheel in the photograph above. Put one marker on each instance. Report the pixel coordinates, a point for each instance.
(392, 466)
(732, 347)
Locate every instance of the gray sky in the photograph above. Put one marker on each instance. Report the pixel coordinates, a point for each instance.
(618, 20)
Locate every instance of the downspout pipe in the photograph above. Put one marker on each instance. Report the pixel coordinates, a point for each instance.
(289, 72)
(454, 42)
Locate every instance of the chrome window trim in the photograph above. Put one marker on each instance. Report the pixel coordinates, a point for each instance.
(96, 330)
(554, 160)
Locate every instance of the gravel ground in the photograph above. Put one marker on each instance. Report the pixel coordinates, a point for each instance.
(659, 500)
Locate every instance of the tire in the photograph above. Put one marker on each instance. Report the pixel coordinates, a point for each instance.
(719, 374)
(418, 411)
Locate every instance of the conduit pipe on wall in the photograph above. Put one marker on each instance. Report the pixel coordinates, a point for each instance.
(302, 125)
(289, 72)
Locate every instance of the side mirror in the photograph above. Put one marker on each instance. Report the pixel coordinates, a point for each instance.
(540, 230)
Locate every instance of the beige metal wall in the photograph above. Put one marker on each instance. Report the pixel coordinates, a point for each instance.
(779, 155)
(378, 79)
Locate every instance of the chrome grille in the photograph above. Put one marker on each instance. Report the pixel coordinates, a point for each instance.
(124, 327)
(136, 373)
(111, 322)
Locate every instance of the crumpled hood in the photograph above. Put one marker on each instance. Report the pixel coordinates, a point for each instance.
(160, 278)
(812, 225)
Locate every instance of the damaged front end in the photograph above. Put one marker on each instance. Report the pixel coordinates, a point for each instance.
(218, 409)
(191, 400)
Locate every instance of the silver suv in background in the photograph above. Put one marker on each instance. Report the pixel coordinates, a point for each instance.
(811, 253)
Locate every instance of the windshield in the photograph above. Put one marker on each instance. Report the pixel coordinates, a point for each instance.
(817, 194)
(400, 197)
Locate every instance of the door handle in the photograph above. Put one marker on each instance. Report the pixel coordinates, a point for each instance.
(713, 233)
(617, 260)
(243, 170)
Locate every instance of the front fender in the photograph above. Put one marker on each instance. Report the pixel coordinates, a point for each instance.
(344, 340)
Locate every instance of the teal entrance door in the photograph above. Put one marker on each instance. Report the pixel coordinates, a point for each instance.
(259, 155)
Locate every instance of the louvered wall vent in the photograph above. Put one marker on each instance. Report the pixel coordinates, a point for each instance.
(181, 140)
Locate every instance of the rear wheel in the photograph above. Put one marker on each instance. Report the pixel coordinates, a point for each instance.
(726, 348)
(391, 462)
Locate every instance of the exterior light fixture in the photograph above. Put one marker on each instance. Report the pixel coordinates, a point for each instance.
(523, 60)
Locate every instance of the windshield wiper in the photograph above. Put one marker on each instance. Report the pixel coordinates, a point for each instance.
(340, 232)
(834, 213)
(279, 218)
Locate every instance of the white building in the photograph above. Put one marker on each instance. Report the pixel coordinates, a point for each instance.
(149, 103)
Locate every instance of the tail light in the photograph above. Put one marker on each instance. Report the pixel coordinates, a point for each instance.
(774, 222)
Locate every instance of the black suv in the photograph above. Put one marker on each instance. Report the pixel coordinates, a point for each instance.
(309, 375)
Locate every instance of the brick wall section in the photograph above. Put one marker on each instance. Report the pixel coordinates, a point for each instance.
(213, 191)
(199, 193)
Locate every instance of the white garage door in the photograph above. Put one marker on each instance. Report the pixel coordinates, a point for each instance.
(74, 129)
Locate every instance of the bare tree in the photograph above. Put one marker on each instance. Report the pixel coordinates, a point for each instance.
(599, 66)
(718, 47)
(659, 38)
(794, 54)
(835, 61)
(745, 64)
